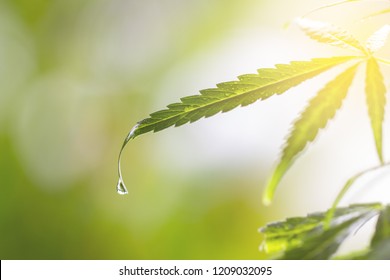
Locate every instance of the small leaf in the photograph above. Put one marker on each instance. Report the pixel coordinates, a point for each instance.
(307, 238)
(320, 110)
(376, 100)
(227, 96)
(377, 40)
(324, 32)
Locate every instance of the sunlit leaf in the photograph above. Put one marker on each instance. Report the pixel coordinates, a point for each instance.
(329, 34)
(307, 238)
(320, 110)
(229, 95)
(377, 40)
(376, 100)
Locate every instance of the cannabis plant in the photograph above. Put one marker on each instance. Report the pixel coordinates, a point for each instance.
(319, 235)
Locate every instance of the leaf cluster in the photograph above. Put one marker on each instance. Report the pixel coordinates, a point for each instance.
(319, 235)
(267, 82)
(310, 238)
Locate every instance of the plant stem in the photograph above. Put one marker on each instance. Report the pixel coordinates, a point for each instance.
(383, 60)
(345, 188)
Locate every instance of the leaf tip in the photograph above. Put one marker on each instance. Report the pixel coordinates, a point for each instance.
(270, 188)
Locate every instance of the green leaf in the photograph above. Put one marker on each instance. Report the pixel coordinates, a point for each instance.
(324, 246)
(327, 33)
(376, 100)
(382, 231)
(229, 95)
(282, 236)
(380, 242)
(377, 40)
(380, 251)
(320, 110)
(307, 238)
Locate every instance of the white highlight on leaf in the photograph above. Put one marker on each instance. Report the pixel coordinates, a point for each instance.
(378, 39)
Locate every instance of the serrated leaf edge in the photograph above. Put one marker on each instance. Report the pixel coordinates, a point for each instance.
(289, 153)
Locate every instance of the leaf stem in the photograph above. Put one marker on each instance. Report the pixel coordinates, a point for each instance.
(383, 60)
(345, 188)
(337, 4)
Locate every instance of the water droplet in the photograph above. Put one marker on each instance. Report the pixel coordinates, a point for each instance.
(121, 188)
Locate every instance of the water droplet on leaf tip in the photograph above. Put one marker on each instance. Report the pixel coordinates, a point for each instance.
(121, 188)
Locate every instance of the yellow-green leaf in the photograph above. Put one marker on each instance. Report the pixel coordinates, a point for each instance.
(308, 238)
(229, 95)
(330, 34)
(376, 100)
(320, 110)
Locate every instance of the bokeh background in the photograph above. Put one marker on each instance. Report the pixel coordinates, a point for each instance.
(75, 76)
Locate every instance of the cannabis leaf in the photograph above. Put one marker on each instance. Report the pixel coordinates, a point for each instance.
(376, 99)
(227, 96)
(322, 247)
(270, 81)
(324, 32)
(308, 238)
(321, 109)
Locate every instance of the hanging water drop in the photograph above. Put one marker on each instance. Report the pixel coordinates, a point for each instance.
(121, 187)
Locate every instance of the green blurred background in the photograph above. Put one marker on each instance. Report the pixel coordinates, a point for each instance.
(76, 75)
